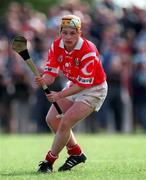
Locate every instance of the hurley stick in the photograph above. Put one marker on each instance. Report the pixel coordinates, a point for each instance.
(19, 45)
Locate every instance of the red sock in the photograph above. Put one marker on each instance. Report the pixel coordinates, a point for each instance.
(51, 157)
(74, 150)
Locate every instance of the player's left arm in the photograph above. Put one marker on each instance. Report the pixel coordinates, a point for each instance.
(73, 89)
(54, 96)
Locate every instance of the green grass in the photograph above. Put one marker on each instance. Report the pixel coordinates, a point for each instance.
(110, 157)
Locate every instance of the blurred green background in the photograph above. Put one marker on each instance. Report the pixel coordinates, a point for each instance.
(41, 5)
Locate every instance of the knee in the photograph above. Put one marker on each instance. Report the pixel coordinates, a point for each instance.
(49, 121)
(64, 126)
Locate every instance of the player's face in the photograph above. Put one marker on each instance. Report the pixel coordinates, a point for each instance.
(70, 37)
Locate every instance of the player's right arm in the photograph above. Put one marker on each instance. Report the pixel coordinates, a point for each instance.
(45, 79)
(50, 71)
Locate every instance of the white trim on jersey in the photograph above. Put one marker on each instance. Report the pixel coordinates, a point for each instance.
(52, 47)
(77, 47)
(84, 69)
(61, 44)
(89, 55)
(79, 44)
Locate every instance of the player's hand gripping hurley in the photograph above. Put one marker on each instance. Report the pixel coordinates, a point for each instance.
(19, 45)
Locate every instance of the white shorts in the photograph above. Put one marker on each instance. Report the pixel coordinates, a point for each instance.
(93, 96)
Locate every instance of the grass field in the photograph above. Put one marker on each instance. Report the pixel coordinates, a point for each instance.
(110, 157)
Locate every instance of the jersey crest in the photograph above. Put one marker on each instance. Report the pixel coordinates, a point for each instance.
(76, 61)
(60, 58)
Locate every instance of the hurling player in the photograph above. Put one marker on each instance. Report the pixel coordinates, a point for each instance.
(86, 90)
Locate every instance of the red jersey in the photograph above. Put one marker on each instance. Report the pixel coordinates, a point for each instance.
(82, 66)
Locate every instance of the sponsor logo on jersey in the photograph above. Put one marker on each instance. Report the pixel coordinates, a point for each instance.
(85, 80)
(48, 68)
(51, 69)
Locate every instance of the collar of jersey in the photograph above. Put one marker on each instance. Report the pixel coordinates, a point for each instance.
(77, 47)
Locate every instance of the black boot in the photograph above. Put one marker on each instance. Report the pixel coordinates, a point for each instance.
(72, 161)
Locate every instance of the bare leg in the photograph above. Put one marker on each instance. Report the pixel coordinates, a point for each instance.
(77, 112)
(54, 122)
(64, 136)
